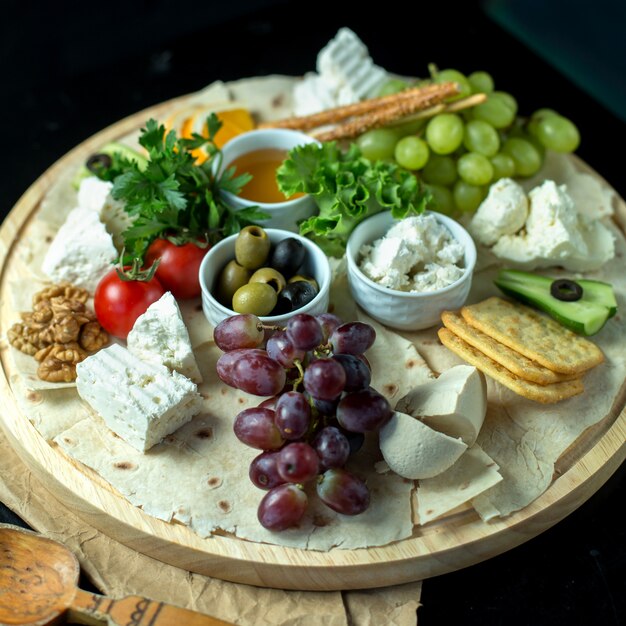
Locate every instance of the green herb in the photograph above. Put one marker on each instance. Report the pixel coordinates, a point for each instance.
(173, 195)
(347, 189)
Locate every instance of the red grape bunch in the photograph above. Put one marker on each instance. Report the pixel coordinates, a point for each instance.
(319, 407)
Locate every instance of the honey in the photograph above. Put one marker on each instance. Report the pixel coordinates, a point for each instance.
(262, 165)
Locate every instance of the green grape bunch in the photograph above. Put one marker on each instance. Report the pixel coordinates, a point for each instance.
(459, 155)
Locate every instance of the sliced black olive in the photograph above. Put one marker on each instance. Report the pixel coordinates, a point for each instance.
(99, 162)
(566, 290)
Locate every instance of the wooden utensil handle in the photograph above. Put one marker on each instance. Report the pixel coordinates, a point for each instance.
(92, 609)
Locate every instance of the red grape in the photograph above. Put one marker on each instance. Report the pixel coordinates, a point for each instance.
(239, 331)
(362, 411)
(282, 350)
(282, 507)
(293, 415)
(358, 376)
(252, 371)
(324, 379)
(328, 322)
(352, 338)
(297, 462)
(263, 471)
(332, 447)
(343, 492)
(255, 427)
(304, 331)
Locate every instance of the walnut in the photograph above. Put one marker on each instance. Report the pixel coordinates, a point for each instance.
(54, 370)
(93, 337)
(59, 332)
(19, 339)
(68, 353)
(65, 290)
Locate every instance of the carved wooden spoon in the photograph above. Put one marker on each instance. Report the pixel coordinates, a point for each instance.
(38, 585)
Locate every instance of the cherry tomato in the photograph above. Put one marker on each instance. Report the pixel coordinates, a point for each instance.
(179, 266)
(118, 303)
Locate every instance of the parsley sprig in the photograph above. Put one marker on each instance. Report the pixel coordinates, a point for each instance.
(172, 195)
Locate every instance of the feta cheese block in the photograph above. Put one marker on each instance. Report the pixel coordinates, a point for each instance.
(160, 336)
(81, 252)
(502, 212)
(95, 194)
(140, 402)
(345, 74)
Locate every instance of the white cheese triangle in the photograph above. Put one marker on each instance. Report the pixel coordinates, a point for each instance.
(160, 336)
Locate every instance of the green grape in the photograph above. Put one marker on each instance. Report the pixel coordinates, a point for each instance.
(467, 198)
(411, 152)
(412, 127)
(443, 201)
(533, 123)
(475, 169)
(480, 82)
(444, 133)
(508, 99)
(454, 76)
(394, 85)
(481, 137)
(494, 111)
(503, 166)
(440, 170)
(558, 133)
(378, 144)
(526, 157)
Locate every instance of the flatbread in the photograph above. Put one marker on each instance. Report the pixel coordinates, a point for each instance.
(505, 356)
(534, 335)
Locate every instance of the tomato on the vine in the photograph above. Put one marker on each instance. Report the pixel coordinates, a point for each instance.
(119, 302)
(179, 266)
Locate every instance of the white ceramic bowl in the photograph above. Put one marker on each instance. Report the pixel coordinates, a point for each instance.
(283, 215)
(315, 265)
(400, 309)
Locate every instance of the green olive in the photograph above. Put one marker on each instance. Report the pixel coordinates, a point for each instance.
(252, 247)
(270, 276)
(307, 279)
(255, 298)
(230, 279)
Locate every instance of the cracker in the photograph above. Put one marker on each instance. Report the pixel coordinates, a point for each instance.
(546, 394)
(534, 335)
(512, 360)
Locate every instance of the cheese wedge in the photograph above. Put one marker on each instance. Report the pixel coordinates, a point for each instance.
(160, 336)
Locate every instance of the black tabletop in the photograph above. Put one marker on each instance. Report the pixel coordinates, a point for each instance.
(67, 74)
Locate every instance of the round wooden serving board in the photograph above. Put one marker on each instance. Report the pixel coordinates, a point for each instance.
(452, 542)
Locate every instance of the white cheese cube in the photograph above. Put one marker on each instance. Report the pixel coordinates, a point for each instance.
(160, 336)
(141, 402)
(81, 252)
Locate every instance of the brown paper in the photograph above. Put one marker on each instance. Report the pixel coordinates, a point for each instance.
(119, 571)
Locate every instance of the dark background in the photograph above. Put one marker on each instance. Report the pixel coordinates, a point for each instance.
(69, 69)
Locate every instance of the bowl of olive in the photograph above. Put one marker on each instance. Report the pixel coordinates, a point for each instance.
(269, 272)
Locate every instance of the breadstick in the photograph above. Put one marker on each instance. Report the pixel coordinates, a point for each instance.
(379, 117)
(426, 95)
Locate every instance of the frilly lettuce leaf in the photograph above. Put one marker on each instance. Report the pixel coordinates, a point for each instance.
(347, 188)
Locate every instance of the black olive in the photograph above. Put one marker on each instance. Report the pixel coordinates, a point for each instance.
(97, 163)
(294, 296)
(287, 256)
(566, 290)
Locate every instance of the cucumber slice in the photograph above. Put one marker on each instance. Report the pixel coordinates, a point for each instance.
(110, 149)
(585, 316)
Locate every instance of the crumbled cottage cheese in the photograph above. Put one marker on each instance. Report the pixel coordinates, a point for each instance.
(416, 254)
(554, 233)
(345, 74)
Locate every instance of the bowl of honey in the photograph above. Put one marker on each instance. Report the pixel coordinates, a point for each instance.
(260, 153)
